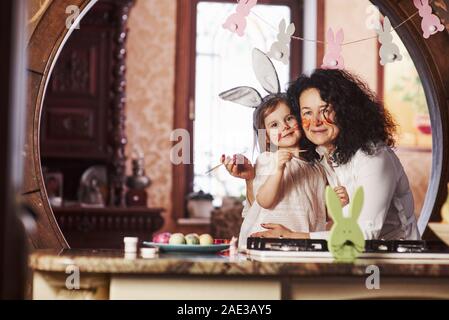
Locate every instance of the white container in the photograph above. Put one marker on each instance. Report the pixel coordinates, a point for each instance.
(130, 244)
(148, 253)
(200, 208)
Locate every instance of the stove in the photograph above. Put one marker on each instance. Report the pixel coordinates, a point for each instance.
(317, 248)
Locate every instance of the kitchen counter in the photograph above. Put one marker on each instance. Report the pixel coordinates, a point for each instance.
(115, 262)
(114, 275)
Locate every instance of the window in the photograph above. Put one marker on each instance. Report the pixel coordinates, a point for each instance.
(220, 60)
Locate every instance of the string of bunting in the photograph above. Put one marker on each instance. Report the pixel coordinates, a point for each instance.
(333, 59)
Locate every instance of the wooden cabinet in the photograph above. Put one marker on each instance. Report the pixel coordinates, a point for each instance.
(83, 117)
(106, 227)
(83, 125)
(77, 115)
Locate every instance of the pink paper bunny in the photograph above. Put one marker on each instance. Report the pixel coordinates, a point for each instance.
(236, 22)
(333, 58)
(430, 23)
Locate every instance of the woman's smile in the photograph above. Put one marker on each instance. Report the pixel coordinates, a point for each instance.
(319, 131)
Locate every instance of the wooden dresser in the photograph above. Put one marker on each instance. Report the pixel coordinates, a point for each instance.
(83, 125)
(106, 227)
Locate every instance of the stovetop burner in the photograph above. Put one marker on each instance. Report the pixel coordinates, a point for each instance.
(371, 246)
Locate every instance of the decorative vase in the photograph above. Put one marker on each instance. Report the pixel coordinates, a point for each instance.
(136, 196)
(199, 204)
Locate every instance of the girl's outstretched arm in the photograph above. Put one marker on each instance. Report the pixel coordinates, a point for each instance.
(269, 193)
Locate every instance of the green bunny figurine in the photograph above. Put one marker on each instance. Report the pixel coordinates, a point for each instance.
(346, 239)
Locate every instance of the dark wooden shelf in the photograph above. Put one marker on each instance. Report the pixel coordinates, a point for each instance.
(90, 227)
(108, 210)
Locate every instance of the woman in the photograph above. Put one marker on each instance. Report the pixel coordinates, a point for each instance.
(353, 135)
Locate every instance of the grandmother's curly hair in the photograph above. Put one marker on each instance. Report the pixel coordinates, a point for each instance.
(362, 119)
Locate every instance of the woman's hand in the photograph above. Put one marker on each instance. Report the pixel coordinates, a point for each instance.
(343, 195)
(239, 166)
(282, 157)
(279, 231)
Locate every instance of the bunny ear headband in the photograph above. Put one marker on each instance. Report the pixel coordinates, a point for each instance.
(266, 75)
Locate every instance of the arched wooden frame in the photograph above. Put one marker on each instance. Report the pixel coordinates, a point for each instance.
(44, 47)
(47, 40)
(432, 65)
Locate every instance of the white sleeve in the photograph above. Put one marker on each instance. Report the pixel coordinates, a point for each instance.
(246, 208)
(377, 175)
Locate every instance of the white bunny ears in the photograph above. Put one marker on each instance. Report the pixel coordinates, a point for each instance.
(266, 75)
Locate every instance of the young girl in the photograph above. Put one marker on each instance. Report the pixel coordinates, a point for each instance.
(286, 189)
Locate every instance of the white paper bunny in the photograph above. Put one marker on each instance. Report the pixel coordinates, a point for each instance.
(267, 76)
(280, 49)
(389, 52)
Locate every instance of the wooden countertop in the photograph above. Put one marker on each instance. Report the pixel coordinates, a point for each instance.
(115, 262)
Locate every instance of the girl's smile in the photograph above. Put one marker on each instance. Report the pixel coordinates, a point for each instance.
(288, 134)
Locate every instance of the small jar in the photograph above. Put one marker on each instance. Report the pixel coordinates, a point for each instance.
(130, 244)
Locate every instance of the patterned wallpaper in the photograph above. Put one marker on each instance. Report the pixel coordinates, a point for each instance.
(150, 90)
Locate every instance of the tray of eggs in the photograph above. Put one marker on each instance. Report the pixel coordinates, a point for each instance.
(190, 243)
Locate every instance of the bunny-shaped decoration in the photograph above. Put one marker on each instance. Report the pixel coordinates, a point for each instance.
(267, 76)
(280, 50)
(346, 239)
(236, 22)
(430, 23)
(389, 52)
(333, 58)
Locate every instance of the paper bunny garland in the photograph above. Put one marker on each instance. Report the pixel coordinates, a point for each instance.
(280, 49)
(346, 240)
(236, 22)
(430, 23)
(333, 58)
(389, 52)
(267, 76)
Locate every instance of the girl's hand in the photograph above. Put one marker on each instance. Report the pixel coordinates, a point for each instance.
(279, 231)
(343, 195)
(239, 166)
(283, 156)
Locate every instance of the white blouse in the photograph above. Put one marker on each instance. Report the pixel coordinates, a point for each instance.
(388, 210)
(301, 207)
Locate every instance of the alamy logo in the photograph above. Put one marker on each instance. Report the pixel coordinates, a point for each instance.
(373, 280)
(73, 12)
(72, 281)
